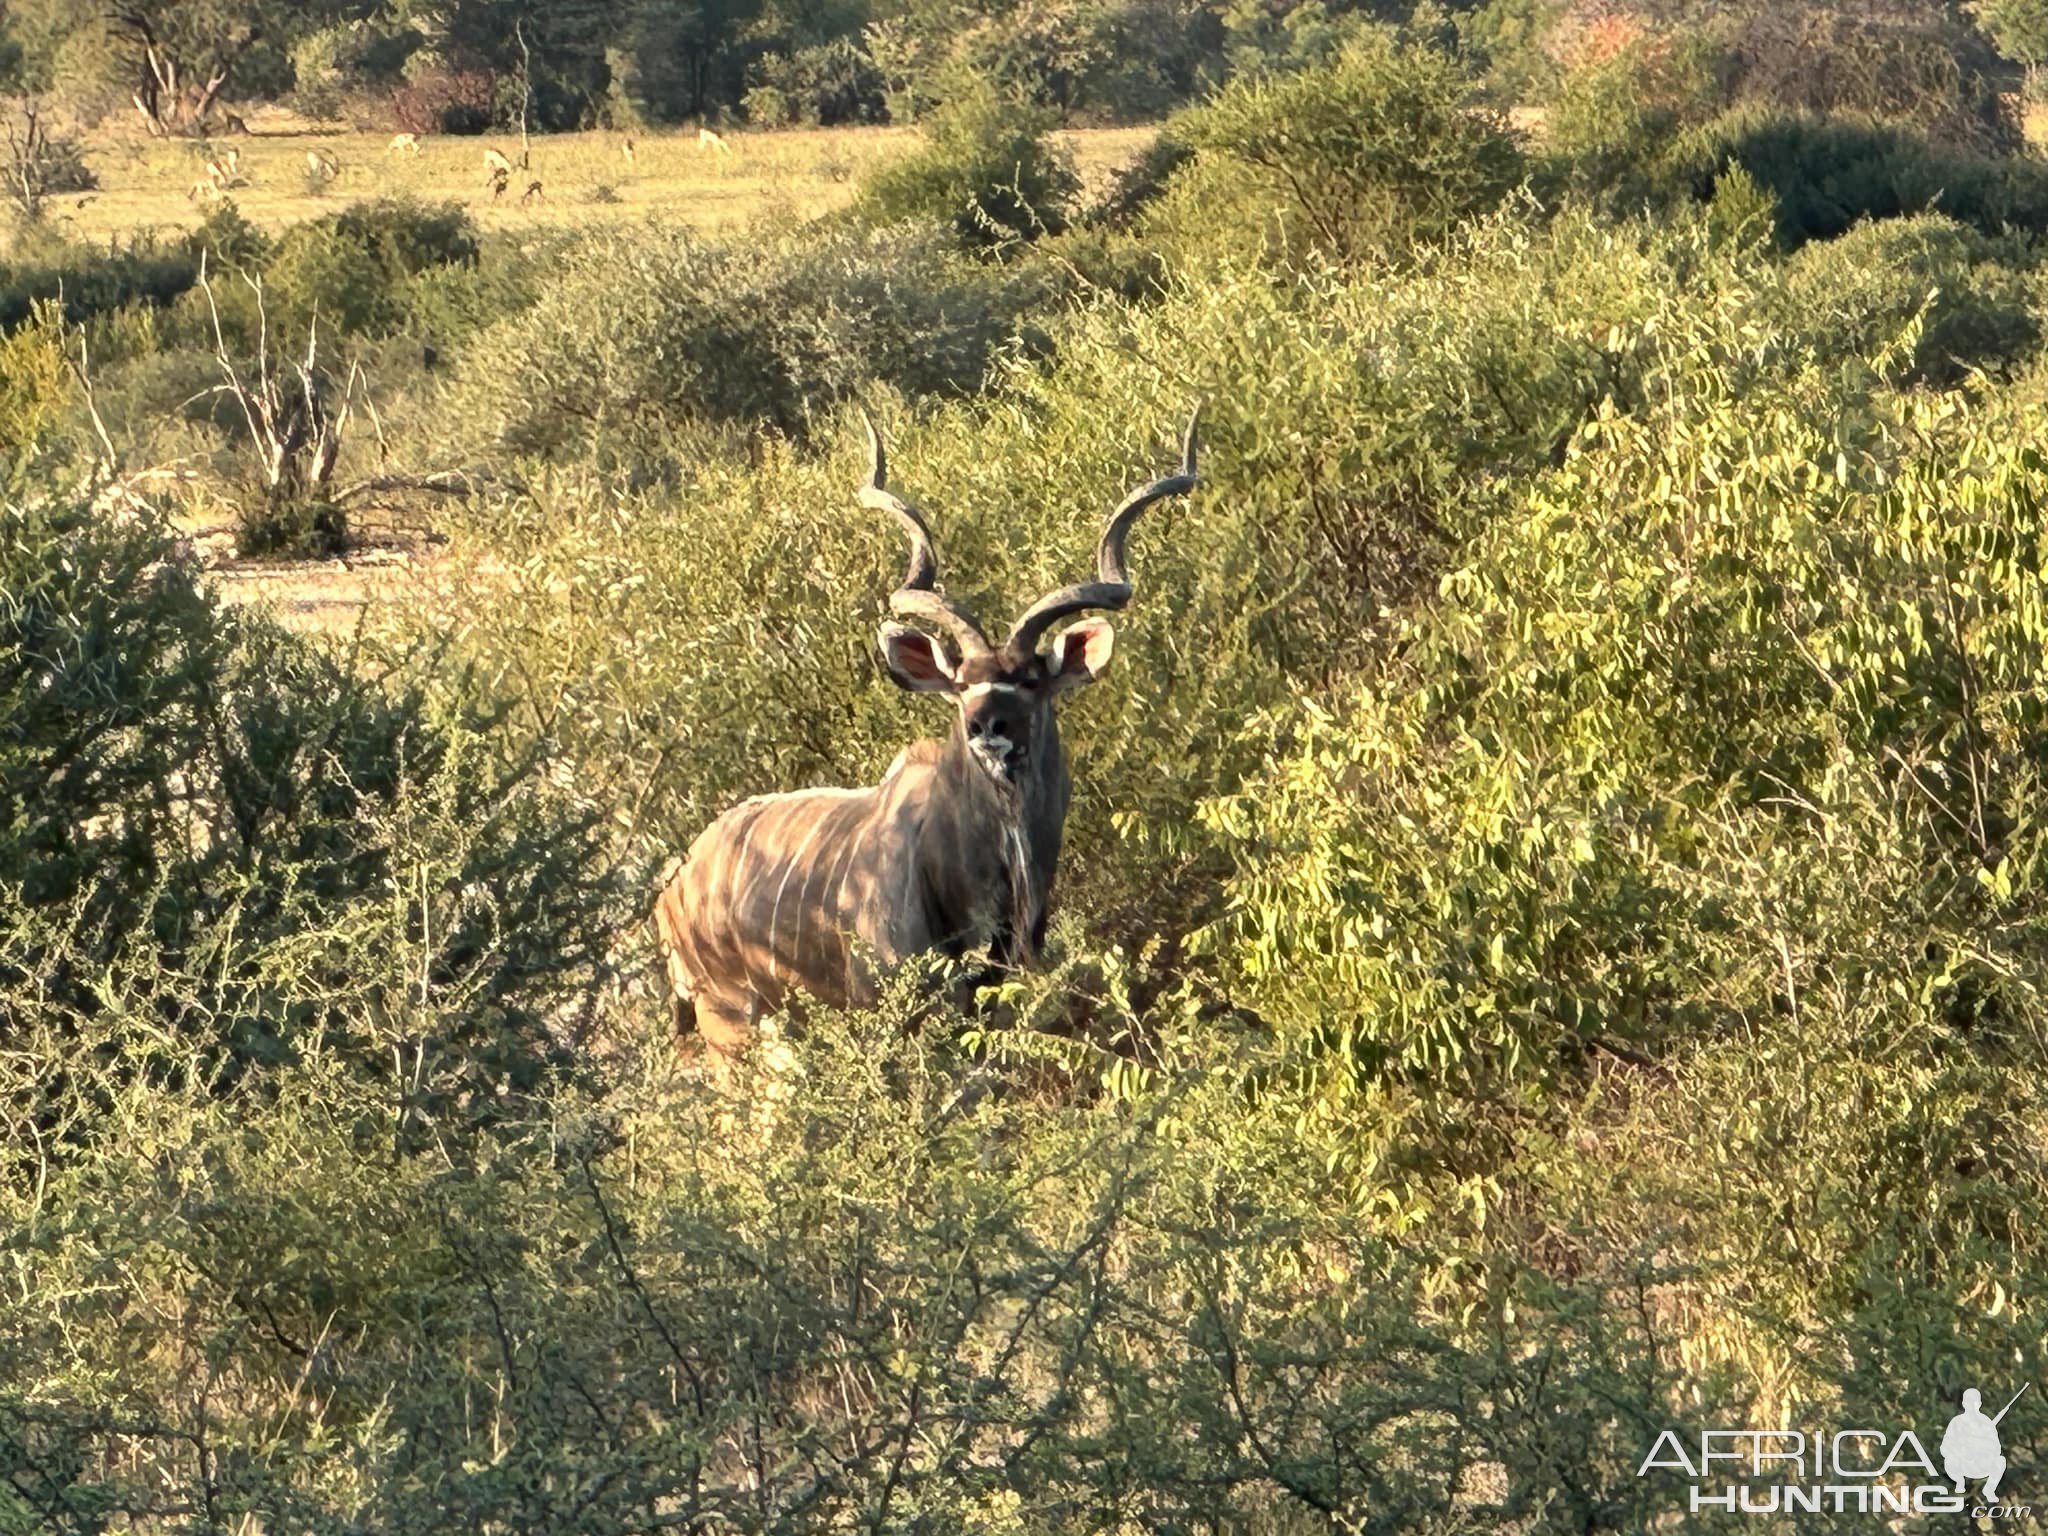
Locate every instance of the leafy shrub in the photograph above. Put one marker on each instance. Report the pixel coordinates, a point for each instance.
(334, 66)
(986, 168)
(228, 238)
(1611, 127)
(407, 238)
(1828, 173)
(1036, 54)
(2019, 28)
(210, 826)
(1259, 40)
(653, 1302)
(92, 282)
(35, 394)
(1506, 37)
(1762, 676)
(1714, 768)
(355, 268)
(1368, 157)
(637, 331)
(1865, 291)
(766, 105)
(829, 85)
(1924, 68)
(445, 304)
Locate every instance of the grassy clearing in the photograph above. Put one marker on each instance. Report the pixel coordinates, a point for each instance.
(585, 178)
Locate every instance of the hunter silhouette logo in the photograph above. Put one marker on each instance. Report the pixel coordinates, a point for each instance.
(1970, 1448)
(1843, 1471)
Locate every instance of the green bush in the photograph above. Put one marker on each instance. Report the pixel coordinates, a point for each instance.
(1611, 127)
(92, 282)
(639, 331)
(228, 238)
(1963, 301)
(1494, 947)
(1368, 157)
(1829, 173)
(355, 268)
(1926, 69)
(1711, 781)
(1505, 37)
(223, 851)
(829, 85)
(338, 65)
(623, 1311)
(767, 106)
(985, 168)
(36, 394)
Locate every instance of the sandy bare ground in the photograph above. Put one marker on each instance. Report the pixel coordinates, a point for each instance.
(330, 596)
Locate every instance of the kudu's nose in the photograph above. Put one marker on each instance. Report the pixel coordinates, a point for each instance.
(990, 738)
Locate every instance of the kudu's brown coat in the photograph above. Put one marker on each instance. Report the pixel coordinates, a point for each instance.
(822, 891)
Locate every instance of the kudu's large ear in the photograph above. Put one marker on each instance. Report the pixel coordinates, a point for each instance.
(915, 661)
(1081, 654)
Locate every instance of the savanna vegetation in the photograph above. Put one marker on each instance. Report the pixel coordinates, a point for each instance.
(1551, 937)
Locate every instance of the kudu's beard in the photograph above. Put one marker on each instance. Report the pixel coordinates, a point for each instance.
(1006, 785)
(1004, 774)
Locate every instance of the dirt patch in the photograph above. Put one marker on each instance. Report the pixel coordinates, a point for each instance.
(329, 596)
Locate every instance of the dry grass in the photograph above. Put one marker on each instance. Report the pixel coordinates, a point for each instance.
(584, 177)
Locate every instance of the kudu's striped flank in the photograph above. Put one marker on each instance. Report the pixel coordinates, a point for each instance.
(823, 890)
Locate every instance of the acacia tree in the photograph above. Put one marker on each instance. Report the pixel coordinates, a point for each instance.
(182, 55)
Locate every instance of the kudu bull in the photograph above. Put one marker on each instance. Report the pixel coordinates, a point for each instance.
(824, 891)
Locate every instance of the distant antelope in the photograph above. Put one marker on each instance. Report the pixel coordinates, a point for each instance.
(821, 889)
(706, 139)
(403, 144)
(500, 180)
(531, 194)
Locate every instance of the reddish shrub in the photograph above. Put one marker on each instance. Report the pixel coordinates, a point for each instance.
(446, 101)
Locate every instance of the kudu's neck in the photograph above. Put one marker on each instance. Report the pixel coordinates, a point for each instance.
(990, 848)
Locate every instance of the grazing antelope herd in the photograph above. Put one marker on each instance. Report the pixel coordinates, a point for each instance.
(823, 891)
(221, 172)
